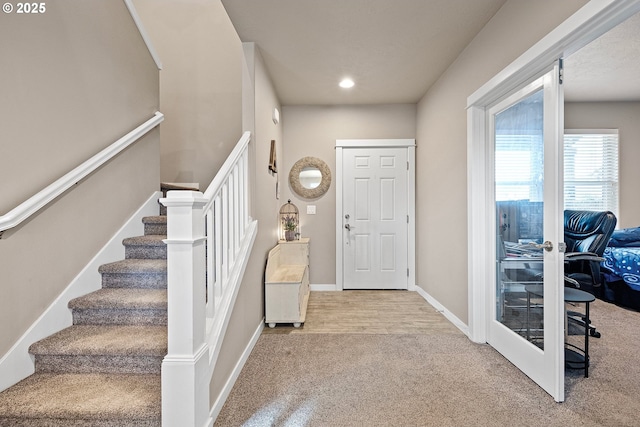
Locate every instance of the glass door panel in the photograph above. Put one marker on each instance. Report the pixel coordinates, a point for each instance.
(519, 184)
(527, 320)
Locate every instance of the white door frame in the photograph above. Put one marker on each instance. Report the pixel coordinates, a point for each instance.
(587, 24)
(410, 145)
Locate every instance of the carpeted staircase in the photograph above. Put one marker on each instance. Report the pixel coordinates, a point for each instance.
(104, 371)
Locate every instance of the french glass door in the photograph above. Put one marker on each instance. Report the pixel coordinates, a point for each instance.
(526, 323)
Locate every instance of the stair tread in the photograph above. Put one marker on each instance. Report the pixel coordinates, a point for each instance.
(134, 266)
(122, 298)
(105, 340)
(111, 399)
(147, 240)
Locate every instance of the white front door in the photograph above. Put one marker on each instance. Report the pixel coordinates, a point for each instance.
(527, 321)
(374, 217)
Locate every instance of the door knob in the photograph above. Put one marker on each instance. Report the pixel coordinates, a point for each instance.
(347, 226)
(547, 246)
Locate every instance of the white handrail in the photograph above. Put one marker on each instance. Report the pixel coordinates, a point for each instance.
(36, 202)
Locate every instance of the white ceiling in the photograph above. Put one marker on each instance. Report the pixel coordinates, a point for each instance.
(396, 49)
(607, 69)
(393, 49)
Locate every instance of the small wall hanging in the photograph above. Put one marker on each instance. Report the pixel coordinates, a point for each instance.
(273, 167)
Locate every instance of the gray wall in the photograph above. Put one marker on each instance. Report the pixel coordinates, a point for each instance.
(623, 116)
(70, 87)
(312, 131)
(442, 143)
(200, 85)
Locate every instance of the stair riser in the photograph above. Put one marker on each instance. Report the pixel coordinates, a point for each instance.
(145, 281)
(82, 364)
(153, 229)
(145, 252)
(119, 317)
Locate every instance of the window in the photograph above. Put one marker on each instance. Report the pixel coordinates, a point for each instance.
(518, 167)
(591, 170)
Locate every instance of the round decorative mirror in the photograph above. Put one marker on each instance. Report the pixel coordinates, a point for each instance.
(310, 177)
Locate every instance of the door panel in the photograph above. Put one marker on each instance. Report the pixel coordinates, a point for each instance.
(527, 324)
(375, 206)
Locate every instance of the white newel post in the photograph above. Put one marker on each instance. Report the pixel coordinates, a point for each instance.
(185, 376)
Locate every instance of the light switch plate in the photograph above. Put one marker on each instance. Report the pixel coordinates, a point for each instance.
(311, 209)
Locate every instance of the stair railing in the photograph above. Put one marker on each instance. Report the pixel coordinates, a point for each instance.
(39, 200)
(209, 240)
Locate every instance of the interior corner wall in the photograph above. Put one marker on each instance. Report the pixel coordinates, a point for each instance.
(312, 131)
(248, 312)
(71, 86)
(200, 85)
(441, 156)
(624, 117)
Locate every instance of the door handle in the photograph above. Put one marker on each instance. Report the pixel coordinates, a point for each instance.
(547, 246)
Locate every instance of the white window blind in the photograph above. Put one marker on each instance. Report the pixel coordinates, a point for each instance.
(591, 170)
(518, 167)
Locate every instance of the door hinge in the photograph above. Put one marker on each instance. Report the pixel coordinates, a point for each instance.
(560, 71)
(407, 165)
(407, 272)
(407, 219)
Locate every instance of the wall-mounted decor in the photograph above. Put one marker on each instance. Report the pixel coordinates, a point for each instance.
(273, 167)
(310, 178)
(289, 222)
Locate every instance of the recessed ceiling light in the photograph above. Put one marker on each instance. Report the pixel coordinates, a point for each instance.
(346, 83)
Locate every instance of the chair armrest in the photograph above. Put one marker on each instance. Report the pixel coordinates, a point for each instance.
(582, 256)
(572, 282)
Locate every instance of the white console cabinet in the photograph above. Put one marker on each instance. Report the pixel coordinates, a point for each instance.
(286, 293)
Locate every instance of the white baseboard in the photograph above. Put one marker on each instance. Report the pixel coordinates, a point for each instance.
(322, 288)
(217, 406)
(18, 364)
(446, 313)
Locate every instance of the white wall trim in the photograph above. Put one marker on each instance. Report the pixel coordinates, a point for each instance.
(17, 363)
(143, 33)
(477, 220)
(339, 219)
(411, 211)
(442, 309)
(364, 143)
(323, 287)
(226, 390)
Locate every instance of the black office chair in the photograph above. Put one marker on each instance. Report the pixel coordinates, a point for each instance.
(586, 235)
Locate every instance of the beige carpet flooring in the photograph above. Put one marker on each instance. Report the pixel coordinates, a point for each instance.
(420, 376)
